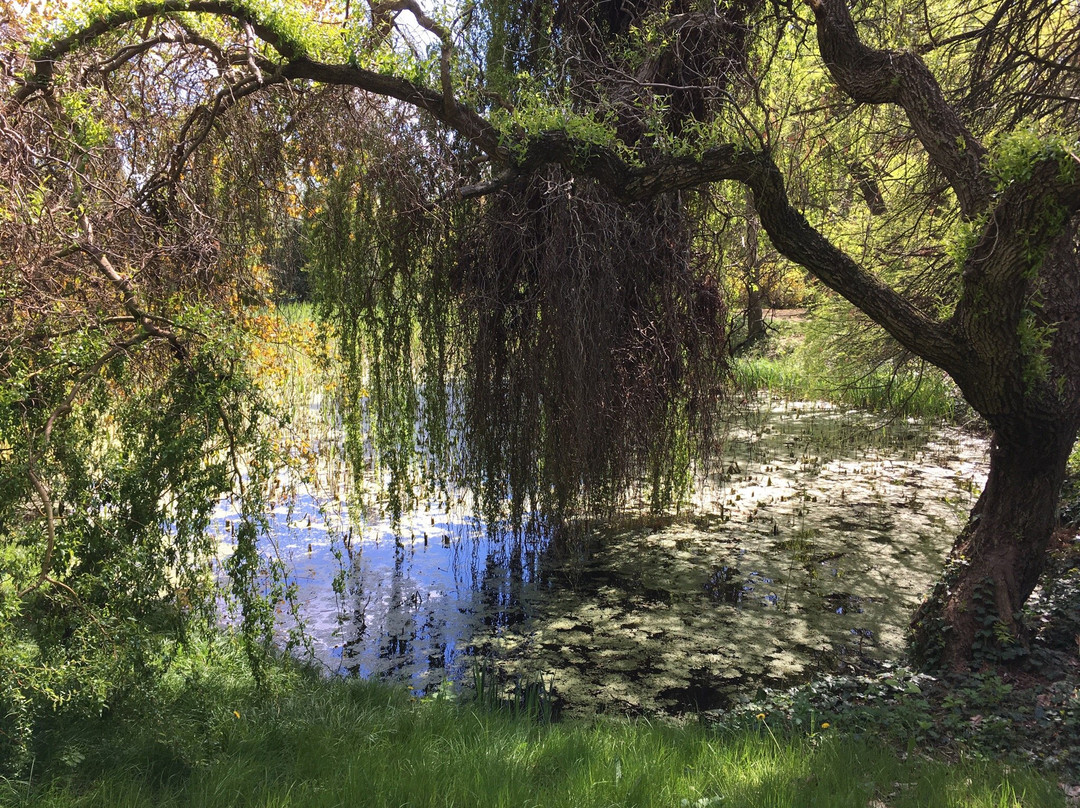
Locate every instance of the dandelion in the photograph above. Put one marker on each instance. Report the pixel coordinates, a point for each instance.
(764, 723)
(825, 725)
(236, 713)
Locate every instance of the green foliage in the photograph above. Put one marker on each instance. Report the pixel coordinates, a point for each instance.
(965, 235)
(1035, 339)
(1070, 493)
(1054, 612)
(535, 114)
(1012, 161)
(385, 288)
(533, 698)
(577, 349)
(291, 22)
(911, 392)
(994, 642)
(546, 352)
(980, 715)
(796, 365)
(90, 131)
(1015, 155)
(103, 517)
(210, 736)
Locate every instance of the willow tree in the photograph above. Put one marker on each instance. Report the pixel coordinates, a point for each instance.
(907, 160)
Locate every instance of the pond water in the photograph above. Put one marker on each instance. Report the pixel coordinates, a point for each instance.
(810, 543)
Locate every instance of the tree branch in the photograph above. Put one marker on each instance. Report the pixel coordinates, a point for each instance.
(127, 291)
(446, 49)
(45, 61)
(901, 77)
(866, 74)
(788, 229)
(463, 119)
(798, 241)
(487, 187)
(45, 496)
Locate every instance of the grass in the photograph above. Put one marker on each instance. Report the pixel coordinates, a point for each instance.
(928, 395)
(211, 738)
(788, 366)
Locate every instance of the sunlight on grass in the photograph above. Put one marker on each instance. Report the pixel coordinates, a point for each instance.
(791, 377)
(209, 737)
(332, 743)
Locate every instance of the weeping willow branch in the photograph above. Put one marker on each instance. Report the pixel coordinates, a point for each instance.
(553, 349)
(382, 11)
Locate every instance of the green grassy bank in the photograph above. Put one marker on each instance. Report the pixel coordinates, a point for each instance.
(798, 363)
(210, 737)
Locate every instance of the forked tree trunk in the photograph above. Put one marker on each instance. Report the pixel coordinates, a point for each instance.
(973, 615)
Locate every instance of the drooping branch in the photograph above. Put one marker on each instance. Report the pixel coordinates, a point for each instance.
(632, 183)
(479, 189)
(868, 75)
(45, 61)
(901, 77)
(128, 293)
(197, 128)
(789, 231)
(463, 119)
(298, 65)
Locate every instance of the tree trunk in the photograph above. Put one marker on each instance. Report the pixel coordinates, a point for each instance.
(973, 615)
(755, 317)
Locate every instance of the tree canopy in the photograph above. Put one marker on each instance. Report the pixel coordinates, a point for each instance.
(518, 225)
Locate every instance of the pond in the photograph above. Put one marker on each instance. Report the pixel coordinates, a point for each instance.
(810, 544)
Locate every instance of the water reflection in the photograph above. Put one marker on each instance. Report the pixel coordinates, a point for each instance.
(416, 605)
(812, 543)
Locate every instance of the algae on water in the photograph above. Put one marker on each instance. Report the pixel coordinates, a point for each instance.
(810, 544)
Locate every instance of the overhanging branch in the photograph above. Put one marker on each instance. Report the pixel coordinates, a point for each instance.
(44, 62)
(889, 76)
(798, 241)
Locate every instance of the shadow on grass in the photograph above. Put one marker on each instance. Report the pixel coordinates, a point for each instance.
(209, 738)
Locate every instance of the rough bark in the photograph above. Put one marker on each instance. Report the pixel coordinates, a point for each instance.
(973, 616)
(1015, 331)
(900, 77)
(1021, 266)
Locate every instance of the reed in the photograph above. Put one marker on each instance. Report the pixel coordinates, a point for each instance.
(793, 376)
